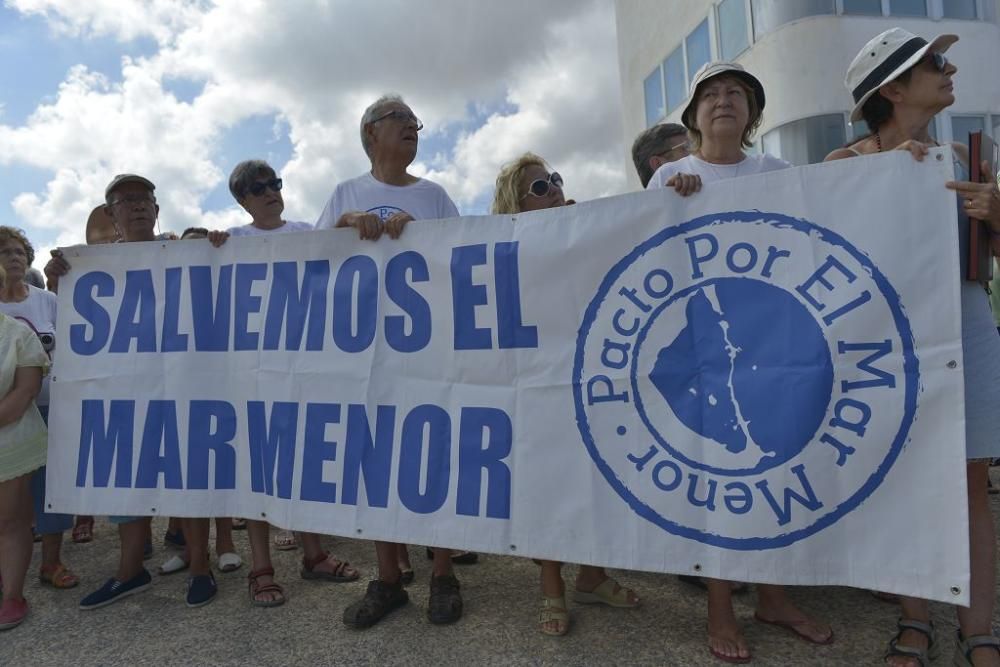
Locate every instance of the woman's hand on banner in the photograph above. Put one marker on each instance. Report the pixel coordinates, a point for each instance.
(980, 200)
(684, 184)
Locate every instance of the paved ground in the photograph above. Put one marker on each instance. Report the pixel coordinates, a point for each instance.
(499, 627)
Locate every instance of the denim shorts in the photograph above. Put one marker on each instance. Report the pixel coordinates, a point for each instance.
(46, 523)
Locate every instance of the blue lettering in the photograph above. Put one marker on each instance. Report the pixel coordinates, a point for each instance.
(171, 340)
(288, 305)
(784, 511)
(438, 427)
(211, 314)
(160, 428)
(272, 443)
(366, 271)
(368, 458)
(316, 450)
(409, 300)
(245, 303)
(511, 332)
(698, 259)
(106, 443)
(474, 459)
(211, 428)
(466, 295)
(88, 308)
(138, 301)
(878, 350)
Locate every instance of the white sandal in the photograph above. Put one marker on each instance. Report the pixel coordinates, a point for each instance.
(230, 562)
(173, 565)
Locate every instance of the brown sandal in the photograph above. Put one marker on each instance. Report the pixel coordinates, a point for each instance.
(59, 577)
(83, 532)
(256, 588)
(342, 571)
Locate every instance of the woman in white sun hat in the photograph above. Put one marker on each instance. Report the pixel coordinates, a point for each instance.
(899, 82)
(723, 112)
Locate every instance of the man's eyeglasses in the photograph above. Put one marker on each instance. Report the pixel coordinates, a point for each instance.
(257, 188)
(403, 116)
(134, 199)
(540, 186)
(937, 61)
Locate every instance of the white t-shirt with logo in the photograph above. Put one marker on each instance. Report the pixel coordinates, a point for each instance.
(37, 312)
(423, 200)
(709, 172)
(289, 226)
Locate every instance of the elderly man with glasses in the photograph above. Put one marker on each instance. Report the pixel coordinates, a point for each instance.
(381, 201)
(656, 146)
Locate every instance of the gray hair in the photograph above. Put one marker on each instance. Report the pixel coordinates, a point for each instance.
(373, 111)
(245, 174)
(653, 141)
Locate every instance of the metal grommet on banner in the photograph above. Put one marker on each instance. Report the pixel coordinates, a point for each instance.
(952, 364)
(955, 590)
(153, 510)
(938, 157)
(263, 515)
(697, 567)
(359, 531)
(513, 548)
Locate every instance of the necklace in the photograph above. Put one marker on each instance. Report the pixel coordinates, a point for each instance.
(721, 176)
(878, 142)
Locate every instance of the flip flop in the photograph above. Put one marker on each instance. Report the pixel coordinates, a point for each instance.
(173, 565)
(230, 562)
(284, 540)
(793, 628)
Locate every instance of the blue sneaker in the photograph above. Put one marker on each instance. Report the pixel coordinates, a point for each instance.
(114, 590)
(201, 590)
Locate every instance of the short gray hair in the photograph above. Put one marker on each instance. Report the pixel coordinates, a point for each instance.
(653, 141)
(245, 174)
(373, 111)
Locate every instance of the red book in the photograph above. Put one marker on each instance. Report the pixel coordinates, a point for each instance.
(980, 265)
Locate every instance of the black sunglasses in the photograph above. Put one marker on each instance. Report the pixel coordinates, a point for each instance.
(401, 116)
(540, 186)
(257, 188)
(937, 61)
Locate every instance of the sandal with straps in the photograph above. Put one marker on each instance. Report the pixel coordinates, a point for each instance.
(965, 646)
(553, 609)
(922, 656)
(59, 577)
(258, 588)
(342, 571)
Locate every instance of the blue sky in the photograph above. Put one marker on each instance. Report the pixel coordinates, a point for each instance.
(182, 90)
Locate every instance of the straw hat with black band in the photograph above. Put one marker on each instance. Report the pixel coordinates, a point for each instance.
(884, 59)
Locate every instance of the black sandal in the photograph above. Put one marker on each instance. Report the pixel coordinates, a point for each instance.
(965, 647)
(380, 599)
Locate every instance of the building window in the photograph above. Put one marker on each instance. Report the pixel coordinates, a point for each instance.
(673, 74)
(699, 49)
(908, 7)
(996, 129)
(868, 7)
(732, 28)
(958, 9)
(769, 14)
(961, 126)
(808, 140)
(653, 89)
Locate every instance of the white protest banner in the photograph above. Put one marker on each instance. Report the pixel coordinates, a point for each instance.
(761, 382)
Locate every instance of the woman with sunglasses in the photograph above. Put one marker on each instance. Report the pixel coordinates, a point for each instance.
(899, 83)
(257, 188)
(526, 184)
(723, 112)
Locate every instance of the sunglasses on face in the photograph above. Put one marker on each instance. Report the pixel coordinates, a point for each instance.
(403, 116)
(257, 189)
(540, 186)
(936, 61)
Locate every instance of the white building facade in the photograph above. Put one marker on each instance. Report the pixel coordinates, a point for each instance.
(800, 50)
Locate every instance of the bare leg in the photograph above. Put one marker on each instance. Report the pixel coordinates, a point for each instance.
(725, 636)
(590, 577)
(196, 533)
(403, 557)
(913, 609)
(388, 567)
(773, 604)
(259, 533)
(51, 550)
(133, 540)
(442, 562)
(15, 535)
(977, 619)
(224, 536)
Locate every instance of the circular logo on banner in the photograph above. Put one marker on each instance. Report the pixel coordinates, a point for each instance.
(745, 379)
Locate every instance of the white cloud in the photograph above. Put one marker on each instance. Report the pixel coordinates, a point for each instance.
(317, 64)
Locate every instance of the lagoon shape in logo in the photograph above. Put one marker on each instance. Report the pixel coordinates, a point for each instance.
(750, 370)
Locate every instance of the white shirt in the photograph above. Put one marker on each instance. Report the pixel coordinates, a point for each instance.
(289, 226)
(424, 200)
(709, 172)
(39, 312)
